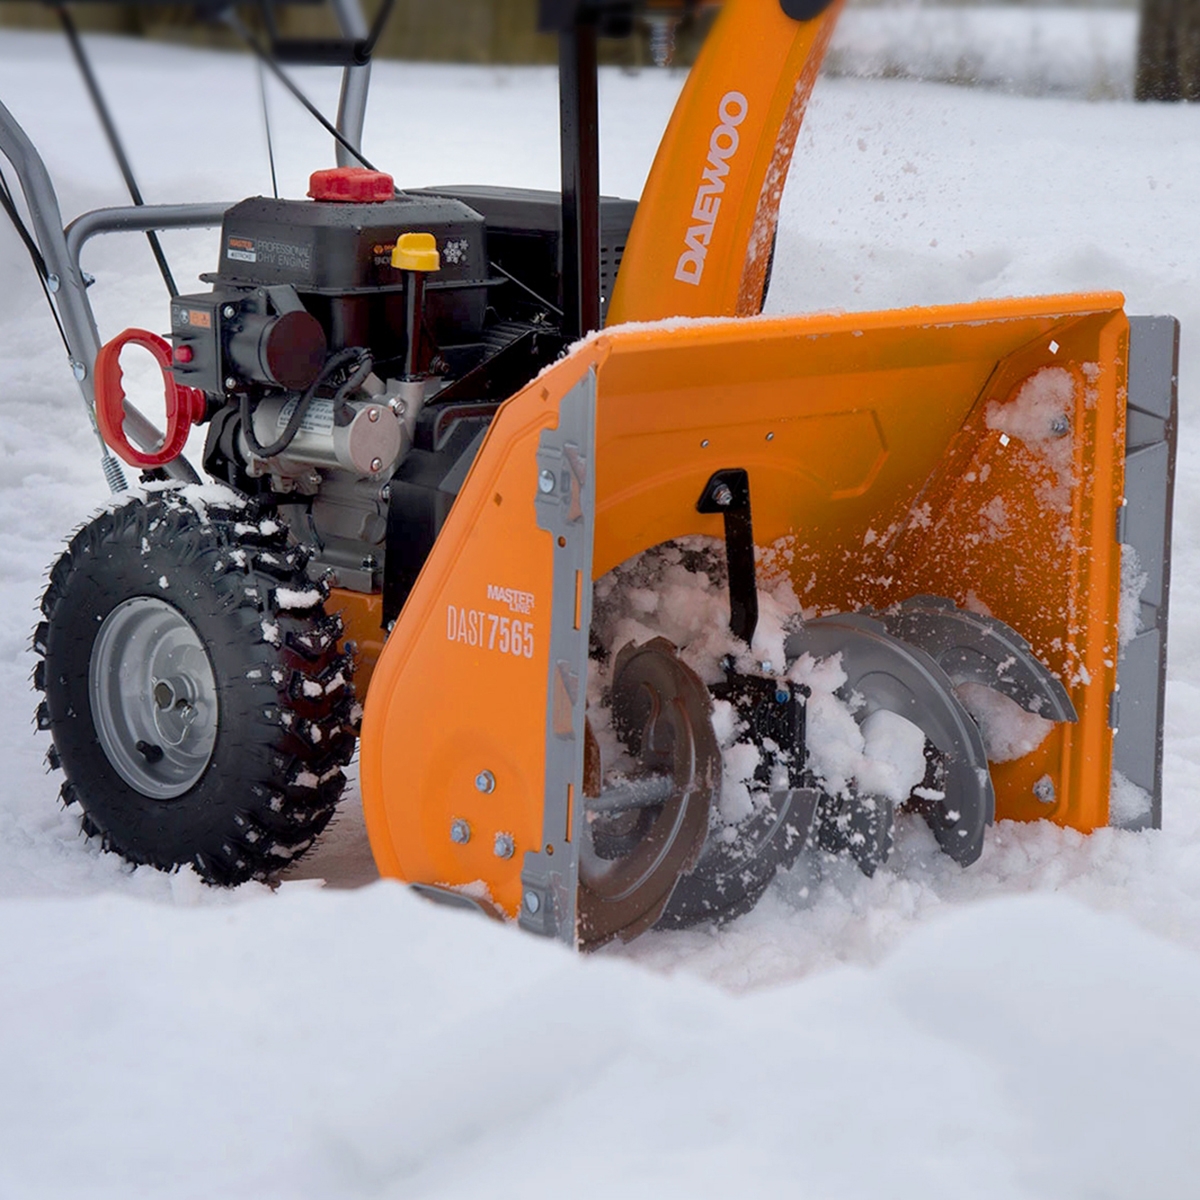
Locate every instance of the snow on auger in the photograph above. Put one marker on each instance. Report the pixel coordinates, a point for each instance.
(632, 622)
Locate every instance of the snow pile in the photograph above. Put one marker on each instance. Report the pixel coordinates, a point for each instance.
(1029, 50)
(679, 591)
(1026, 1025)
(1008, 731)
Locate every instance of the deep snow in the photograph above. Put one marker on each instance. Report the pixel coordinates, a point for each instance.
(1025, 1028)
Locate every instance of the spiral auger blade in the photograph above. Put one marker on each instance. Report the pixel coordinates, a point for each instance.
(888, 673)
(973, 648)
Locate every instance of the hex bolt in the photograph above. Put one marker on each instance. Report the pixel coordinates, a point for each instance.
(460, 833)
(1044, 790)
(532, 901)
(228, 311)
(504, 845)
(485, 782)
(546, 482)
(722, 495)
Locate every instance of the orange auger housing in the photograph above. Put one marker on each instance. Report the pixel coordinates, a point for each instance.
(889, 455)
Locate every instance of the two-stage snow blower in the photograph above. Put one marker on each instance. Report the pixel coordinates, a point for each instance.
(633, 622)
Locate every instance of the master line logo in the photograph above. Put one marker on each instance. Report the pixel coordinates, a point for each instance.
(722, 146)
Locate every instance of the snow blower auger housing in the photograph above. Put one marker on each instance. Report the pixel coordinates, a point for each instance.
(631, 626)
(975, 453)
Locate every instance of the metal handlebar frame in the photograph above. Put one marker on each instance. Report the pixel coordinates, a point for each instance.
(61, 247)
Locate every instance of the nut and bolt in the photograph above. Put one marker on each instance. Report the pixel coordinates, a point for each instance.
(532, 902)
(485, 782)
(460, 833)
(229, 311)
(546, 482)
(722, 495)
(504, 846)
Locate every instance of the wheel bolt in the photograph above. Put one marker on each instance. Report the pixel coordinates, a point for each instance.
(460, 833)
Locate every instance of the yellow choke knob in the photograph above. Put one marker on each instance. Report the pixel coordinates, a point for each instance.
(416, 252)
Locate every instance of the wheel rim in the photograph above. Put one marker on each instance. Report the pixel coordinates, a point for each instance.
(154, 697)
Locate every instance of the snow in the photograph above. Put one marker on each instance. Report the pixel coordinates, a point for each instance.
(1025, 1028)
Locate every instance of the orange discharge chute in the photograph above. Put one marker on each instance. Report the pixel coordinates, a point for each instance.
(973, 452)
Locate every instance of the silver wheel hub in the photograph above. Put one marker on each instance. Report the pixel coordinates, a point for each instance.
(154, 697)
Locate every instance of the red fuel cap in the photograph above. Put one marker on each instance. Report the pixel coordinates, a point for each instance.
(351, 185)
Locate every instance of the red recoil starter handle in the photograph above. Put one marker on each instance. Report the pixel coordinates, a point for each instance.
(186, 406)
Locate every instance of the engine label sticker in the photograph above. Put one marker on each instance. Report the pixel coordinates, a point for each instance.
(240, 250)
(318, 418)
(722, 146)
(489, 631)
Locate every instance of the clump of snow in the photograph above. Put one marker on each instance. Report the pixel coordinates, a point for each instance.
(1008, 731)
(1041, 417)
(882, 756)
(1128, 804)
(270, 632)
(297, 598)
(1133, 583)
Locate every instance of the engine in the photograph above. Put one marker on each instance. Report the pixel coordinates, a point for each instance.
(354, 348)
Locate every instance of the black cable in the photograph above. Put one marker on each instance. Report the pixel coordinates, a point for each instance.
(525, 288)
(334, 363)
(114, 140)
(262, 91)
(235, 23)
(10, 207)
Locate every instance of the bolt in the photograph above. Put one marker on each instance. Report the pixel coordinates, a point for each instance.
(230, 383)
(723, 495)
(546, 482)
(52, 283)
(1044, 789)
(532, 901)
(370, 562)
(782, 695)
(78, 370)
(485, 782)
(503, 846)
(372, 414)
(460, 833)
(770, 437)
(229, 311)
(376, 465)
(1060, 426)
(704, 444)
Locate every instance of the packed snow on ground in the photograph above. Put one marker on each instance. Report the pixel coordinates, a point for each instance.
(1024, 1028)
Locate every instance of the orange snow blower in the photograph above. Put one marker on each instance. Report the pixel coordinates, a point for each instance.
(933, 541)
